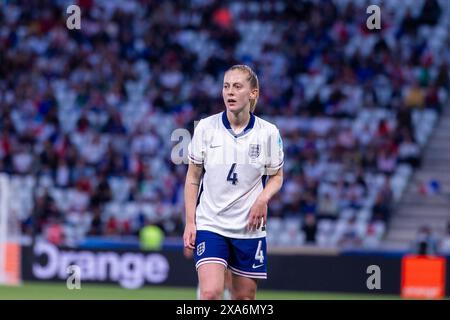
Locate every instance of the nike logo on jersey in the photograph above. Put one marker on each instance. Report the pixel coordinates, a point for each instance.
(212, 147)
(259, 265)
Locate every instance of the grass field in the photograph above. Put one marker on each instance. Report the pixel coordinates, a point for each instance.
(58, 291)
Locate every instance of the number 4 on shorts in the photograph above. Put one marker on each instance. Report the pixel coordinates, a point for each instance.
(259, 253)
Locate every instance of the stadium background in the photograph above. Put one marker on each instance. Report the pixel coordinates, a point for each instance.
(86, 118)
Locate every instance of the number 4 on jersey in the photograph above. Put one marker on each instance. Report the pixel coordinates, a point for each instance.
(232, 176)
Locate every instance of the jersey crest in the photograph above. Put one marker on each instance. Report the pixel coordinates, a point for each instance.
(254, 151)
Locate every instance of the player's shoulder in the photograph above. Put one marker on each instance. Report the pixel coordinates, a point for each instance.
(261, 123)
(209, 122)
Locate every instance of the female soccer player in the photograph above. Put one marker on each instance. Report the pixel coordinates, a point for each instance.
(226, 194)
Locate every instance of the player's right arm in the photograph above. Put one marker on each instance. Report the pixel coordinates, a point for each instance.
(196, 156)
(192, 184)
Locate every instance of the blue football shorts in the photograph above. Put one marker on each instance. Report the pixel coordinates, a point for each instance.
(244, 257)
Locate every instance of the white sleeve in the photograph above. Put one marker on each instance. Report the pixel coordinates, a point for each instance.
(275, 154)
(196, 148)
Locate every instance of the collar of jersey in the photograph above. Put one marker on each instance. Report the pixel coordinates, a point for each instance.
(247, 129)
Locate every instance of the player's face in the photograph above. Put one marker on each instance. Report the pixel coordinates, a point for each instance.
(236, 90)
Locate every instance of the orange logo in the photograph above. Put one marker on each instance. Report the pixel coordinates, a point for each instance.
(423, 277)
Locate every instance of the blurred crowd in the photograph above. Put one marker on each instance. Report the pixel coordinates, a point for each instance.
(88, 114)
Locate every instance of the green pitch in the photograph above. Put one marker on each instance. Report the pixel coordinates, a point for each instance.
(59, 291)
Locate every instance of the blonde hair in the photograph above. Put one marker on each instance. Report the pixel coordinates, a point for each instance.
(252, 78)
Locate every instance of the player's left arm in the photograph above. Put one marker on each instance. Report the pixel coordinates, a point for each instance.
(258, 212)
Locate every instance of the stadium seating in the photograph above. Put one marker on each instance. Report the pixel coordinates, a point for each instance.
(108, 97)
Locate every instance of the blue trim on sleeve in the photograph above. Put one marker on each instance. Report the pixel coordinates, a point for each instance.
(264, 180)
(199, 195)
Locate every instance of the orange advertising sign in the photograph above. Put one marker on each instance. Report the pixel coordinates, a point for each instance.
(12, 269)
(423, 277)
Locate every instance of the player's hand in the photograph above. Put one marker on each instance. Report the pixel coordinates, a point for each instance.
(189, 236)
(258, 215)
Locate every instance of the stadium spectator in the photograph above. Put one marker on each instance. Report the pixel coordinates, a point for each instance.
(310, 228)
(96, 227)
(426, 243)
(328, 206)
(54, 232)
(444, 244)
(431, 11)
(351, 236)
(409, 152)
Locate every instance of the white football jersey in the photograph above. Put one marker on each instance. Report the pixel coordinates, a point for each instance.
(236, 167)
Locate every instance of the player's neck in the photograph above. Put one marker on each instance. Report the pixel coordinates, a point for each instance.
(238, 121)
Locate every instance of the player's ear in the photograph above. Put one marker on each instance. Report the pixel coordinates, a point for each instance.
(254, 93)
